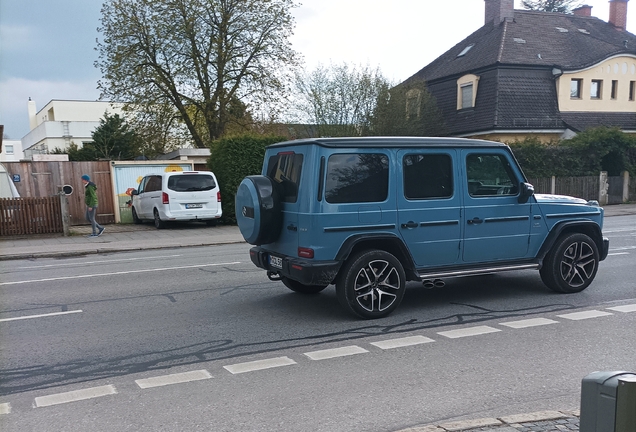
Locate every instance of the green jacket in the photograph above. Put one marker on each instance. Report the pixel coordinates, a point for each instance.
(90, 194)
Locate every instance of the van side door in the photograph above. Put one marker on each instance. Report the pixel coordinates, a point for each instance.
(496, 225)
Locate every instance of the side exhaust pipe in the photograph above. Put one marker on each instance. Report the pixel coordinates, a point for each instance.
(430, 284)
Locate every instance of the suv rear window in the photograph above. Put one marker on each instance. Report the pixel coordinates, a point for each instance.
(285, 169)
(191, 183)
(354, 178)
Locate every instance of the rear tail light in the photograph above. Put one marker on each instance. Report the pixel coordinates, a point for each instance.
(165, 198)
(305, 252)
(218, 196)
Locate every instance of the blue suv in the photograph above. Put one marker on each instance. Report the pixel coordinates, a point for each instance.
(370, 214)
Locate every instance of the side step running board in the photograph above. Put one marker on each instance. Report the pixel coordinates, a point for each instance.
(476, 271)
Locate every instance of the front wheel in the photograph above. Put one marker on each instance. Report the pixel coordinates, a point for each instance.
(371, 284)
(135, 217)
(301, 288)
(159, 224)
(571, 264)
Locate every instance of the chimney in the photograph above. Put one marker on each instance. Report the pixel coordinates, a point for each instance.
(583, 11)
(618, 13)
(499, 10)
(32, 112)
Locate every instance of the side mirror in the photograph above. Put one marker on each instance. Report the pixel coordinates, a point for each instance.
(134, 192)
(526, 190)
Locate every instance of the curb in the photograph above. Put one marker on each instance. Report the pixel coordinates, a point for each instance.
(495, 423)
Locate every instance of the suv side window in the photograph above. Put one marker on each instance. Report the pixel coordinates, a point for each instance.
(355, 178)
(284, 169)
(427, 176)
(490, 175)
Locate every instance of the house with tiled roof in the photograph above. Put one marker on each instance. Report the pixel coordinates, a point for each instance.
(532, 73)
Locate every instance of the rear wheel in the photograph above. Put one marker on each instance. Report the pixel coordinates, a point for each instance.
(301, 288)
(371, 284)
(135, 217)
(571, 264)
(159, 224)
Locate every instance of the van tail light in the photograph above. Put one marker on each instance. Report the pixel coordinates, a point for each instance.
(305, 252)
(218, 196)
(165, 198)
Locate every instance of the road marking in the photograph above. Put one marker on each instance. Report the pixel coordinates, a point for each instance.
(584, 315)
(402, 342)
(618, 253)
(622, 248)
(533, 322)
(5, 408)
(41, 315)
(98, 262)
(624, 308)
(470, 331)
(118, 273)
(73, 396)
(335, 352)
(259, 365)
(176, 378)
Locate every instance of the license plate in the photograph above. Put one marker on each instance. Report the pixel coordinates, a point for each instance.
(191, 206)
(275, 261)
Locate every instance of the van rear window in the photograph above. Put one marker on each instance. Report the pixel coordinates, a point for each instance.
(191, 183)
(285, 169)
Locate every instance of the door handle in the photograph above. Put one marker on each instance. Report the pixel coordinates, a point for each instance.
(474, 221)
(410, 224)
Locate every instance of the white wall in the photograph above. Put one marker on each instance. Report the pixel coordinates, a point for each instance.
(15, 151)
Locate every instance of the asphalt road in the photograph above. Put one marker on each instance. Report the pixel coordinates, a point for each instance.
(107, 323)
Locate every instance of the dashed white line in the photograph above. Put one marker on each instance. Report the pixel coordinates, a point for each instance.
(584, 315)
(335, 352)
(73, 396)
(98, 262)
(259, 365)
(533, 322)
(618, 253)
(118, 273)
(41, 315)
(470, 331)
(5, 408)
(624, 308)
(176, 378)
(402, 342)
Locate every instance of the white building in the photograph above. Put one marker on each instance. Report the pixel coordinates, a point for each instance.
(11, 151)
(62, 122)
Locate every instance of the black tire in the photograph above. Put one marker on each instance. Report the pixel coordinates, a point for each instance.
(258, 210)
(211, 222)
(159, 224)
(135, 217)
(371, 284)
(301, 288)
(571, 264)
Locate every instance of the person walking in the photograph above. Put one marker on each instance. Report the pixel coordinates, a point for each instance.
(90, 198)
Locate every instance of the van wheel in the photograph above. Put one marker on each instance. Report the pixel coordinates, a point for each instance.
(159, 224)
(301, 288)
(258, 210)
(135, 217)
(571, 264)
(371, 284)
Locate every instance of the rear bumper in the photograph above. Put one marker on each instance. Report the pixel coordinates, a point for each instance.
(307, 272)
(190, 215)
(603, 253)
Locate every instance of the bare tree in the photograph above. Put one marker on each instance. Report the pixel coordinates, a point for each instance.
(563, 6)
(197, 56)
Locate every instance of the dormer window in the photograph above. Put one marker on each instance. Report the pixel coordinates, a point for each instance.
(595, 89)
(575, 88)
(467, 91)
(467, 95)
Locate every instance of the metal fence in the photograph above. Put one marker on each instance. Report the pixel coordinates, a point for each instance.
(19, 216)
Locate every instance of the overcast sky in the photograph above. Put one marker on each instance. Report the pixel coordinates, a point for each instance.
(47, 48)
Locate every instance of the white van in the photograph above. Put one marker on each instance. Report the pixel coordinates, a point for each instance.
(177, 196)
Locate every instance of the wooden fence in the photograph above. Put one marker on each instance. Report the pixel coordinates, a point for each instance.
(42, 179)
(19, 216)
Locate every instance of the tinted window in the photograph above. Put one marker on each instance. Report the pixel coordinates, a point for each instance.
(285, 169)
(489, 175)
(191, 183)
(353, 178)
(427, 176)
(153, 184)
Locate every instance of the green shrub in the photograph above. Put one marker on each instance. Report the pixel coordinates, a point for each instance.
(233, 158)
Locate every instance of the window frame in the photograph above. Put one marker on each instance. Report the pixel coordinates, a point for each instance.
(597, 85)
(614, 90)
(579, 88)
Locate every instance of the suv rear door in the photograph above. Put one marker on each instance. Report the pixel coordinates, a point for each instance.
(429, 205)
(496, 225)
